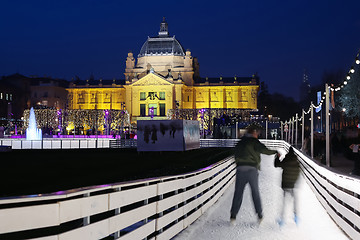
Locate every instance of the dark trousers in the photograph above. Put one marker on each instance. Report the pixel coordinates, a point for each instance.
(244, 175)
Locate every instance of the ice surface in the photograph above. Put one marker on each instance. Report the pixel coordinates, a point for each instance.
(314, 222)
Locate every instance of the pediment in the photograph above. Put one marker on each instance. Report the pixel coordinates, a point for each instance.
(151, 79)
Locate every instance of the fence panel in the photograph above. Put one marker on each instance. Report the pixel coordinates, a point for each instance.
(31, 217)
(83, 207)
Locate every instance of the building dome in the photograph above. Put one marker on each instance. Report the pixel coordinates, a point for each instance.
(162, 44)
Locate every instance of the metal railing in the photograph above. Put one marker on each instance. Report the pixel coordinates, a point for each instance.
(123, 143)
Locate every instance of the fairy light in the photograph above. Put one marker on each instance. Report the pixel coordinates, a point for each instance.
(86, 119)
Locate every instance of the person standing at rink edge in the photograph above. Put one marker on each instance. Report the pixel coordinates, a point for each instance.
(247, 157)
(290, 174)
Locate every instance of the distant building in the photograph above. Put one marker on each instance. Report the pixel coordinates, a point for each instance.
(163, 77)
(15, 91)
(48, 92)
(19, 93)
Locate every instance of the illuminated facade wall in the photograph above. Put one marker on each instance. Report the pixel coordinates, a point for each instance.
(162, 94)
(96, 97)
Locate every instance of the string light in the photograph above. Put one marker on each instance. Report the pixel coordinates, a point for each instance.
(86, 119)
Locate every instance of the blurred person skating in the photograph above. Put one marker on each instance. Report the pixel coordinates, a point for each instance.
(247, 157)
(290, 174)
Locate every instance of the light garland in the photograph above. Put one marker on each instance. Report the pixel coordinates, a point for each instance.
(85, 119)
(348, 76)
(337, 88)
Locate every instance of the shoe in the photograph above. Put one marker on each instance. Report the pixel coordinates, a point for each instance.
(280, 222)
(296, 219)
(232, 221)
(260, 218)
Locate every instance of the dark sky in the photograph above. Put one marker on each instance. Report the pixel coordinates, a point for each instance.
(276, 39)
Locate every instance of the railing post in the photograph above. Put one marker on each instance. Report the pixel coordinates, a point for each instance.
(161, 197)
(86, 220)
(266, 129)
(312, 129)
(292, 130)
(296, 129)
(327, 127)
(117, 212)
(302, 129)
(146, 202)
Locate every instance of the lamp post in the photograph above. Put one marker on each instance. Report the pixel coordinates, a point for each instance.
(312, 129)
(296, 129)
(327, 127)
(302, 128)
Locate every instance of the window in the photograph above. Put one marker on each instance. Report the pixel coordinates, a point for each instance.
(229, 96)
(152, 95)
(107, 98)
(142, 96)
(162, 95)
(81, 99)
(188, 97)
(142, 110)
(10, 97)
(1, 95)
(93, 98)
(7, 96)
(162, 109)
(242, 96)
(153, 109)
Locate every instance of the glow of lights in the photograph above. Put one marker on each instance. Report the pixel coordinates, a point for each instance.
(352, 70)
(344, 109)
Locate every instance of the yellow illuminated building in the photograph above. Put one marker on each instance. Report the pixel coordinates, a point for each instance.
(165, 77)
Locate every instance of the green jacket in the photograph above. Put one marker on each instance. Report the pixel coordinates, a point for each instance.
(247, 152)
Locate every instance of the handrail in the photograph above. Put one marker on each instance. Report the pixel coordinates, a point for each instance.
(157, 208)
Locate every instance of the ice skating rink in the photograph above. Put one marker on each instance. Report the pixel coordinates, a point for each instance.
(314, 222)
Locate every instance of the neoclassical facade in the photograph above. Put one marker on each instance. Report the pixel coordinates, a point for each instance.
(163, 77)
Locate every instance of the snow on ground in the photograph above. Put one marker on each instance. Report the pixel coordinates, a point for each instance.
(314, 222)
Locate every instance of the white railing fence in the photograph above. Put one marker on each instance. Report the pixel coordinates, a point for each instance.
(339, 194)
(158, 208)
(66, 143)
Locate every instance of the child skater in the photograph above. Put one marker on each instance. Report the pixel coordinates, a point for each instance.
(290, 174)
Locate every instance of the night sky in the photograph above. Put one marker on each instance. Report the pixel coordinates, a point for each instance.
(276, 39)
